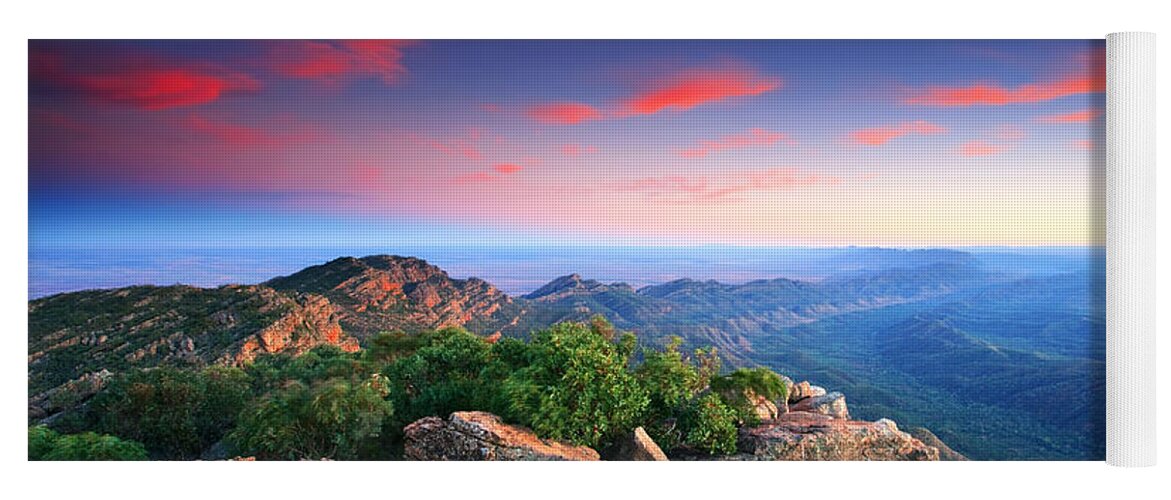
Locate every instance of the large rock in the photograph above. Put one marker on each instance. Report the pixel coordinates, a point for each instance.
(474, 435)
(832, 404)
(636, 446)
(812, 436)
(798, 391)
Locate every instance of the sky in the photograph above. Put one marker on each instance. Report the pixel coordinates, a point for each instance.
(460, 143)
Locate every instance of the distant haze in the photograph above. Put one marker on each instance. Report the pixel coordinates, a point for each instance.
(518, 271)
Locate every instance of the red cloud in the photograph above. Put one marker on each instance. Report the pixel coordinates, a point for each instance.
(507, 168)
(980, 148)
(881, 135)
(691, 89)
(150, 86)
(754, 137)
(338, 60)
(1075, 117)
(995, 95)
(564, 113)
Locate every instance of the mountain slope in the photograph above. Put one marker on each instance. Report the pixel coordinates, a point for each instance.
(390, 293)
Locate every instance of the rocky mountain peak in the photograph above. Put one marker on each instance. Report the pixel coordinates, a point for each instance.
(574, 284)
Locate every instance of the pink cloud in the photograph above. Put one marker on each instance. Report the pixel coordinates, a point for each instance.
(682, 188)
(147, 84)
(335, 61)
(689, 89)
(1085, 144)
(507, 168)
(564, 113)
(981, 148)
(881, 135)
(577, 149)
(1083, 116)
(753, 138)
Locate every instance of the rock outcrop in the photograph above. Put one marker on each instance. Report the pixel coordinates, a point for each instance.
(832, 404)
(474, 435)
(814, 436)
(311, 324)
(636, 446)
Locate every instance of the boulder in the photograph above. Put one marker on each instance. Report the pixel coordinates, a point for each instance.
(813, 436)
(832, 404)
(799, 391)
(636, 446)
(815, 391)
(765, 410)
(474, 435)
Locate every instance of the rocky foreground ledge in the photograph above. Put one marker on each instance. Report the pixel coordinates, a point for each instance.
(814, 426)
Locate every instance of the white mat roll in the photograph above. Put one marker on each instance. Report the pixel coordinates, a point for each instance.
(1130, 249)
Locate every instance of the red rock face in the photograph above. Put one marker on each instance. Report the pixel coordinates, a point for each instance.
(311, 323)
(386, 293)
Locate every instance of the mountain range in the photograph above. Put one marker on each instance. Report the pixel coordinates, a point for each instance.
(999, 365)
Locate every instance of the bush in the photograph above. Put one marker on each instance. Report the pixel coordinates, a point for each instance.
(335, 419)
(576, 386)
(175, 413)
(45, 444)
(741, 388)
(671, 381)
(709, 425)
(443, 375)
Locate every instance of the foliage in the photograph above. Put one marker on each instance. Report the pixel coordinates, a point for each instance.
(334, 419)
(320, 363)
(742, 387)
(443, 375)
(45, 444)
(670, 381)
(576, 386)
(709, 425)
(175, 413)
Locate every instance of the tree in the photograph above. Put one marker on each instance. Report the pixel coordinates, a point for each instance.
(334, 419)
(45, 444)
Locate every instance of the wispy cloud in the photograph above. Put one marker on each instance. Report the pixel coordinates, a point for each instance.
(878, 136)
(699, 188)
(336, 61)
(752, 138)
(1087, 115)
(564, 113)
(981, 148)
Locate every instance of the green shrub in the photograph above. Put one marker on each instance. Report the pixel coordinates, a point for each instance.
(739, 389)
(443, 375)
(334, 419)
(576, 386)
(709, 425)
(175, 413)
(45, 444)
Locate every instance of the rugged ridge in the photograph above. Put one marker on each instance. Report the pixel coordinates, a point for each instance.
(391, 293)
